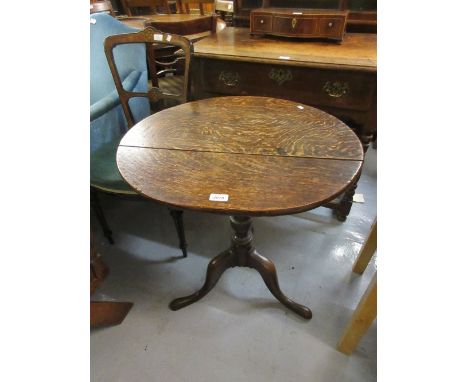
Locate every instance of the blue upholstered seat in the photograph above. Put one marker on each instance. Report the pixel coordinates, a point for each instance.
(108, 123)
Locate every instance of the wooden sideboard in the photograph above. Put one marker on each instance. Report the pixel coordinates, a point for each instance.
(338, 78)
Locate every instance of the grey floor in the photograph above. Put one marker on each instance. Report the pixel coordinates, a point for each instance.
(238, 332)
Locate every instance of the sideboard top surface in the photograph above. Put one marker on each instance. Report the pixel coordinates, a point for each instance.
(305, 11)
(357, 50)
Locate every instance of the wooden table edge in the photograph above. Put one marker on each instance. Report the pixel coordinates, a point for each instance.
(258, 213)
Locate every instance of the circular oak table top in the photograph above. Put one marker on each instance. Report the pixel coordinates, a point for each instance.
(266, 156)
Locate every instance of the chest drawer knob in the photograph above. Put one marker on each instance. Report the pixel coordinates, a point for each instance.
(330, 24)
(261, 21)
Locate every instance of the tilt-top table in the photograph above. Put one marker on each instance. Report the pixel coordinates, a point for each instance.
(242, 156)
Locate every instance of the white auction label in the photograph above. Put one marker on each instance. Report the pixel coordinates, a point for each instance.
(219, 197)
(158, 37)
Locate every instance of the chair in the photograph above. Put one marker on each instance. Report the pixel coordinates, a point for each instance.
(366, 311)
(108, 119)
(142, 7)
(184, 5)
(157, 92)
(101, 6)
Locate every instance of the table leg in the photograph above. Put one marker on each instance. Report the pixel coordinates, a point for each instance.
(242, 254)
(344, 206)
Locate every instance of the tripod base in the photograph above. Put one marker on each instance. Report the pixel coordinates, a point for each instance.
(242, 254)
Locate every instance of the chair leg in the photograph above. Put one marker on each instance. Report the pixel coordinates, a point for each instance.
(179, 223)
(96, 206)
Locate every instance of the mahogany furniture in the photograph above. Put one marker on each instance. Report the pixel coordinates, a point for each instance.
(362, 13)
(245, 157)
(366, 311)
(193, 27)
(104, 313)
(185, 25)
(340, 79)
(299, 23)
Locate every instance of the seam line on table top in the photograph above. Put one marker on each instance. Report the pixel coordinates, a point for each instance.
(238, 153)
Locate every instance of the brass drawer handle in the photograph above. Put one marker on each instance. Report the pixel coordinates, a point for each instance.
(229, 78)
(280, 75)
(293, 23)
(336, 89)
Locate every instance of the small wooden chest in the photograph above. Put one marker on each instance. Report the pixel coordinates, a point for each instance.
(299, 22)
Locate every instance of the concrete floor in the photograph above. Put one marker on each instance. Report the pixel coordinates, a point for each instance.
(238, 332)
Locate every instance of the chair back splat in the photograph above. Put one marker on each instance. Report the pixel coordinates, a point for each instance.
(159, 70)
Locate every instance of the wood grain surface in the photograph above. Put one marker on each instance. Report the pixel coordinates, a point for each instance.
(269, 155)
(358, 51)
(248, 125)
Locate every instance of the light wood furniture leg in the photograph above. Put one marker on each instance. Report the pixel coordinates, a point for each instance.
(362, 318)
(368, 249)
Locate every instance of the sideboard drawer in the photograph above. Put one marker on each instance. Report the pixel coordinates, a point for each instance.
(262, 23)
(331, 26)
(353, 90)
(293, 26)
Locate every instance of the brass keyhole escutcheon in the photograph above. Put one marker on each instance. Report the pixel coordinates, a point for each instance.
(293, 23)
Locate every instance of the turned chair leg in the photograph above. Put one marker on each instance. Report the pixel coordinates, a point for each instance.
(96, 206)
(179, 223)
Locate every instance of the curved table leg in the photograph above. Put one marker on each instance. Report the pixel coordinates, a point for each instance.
(242, 253)
(216, 267)
(267, 270)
